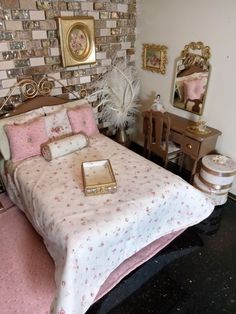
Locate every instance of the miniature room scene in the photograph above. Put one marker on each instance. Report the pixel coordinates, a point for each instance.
(117, 157)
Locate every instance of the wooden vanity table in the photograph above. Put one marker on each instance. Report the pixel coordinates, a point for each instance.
(192, 144)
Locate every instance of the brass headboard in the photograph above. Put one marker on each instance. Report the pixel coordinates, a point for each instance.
(34, 94)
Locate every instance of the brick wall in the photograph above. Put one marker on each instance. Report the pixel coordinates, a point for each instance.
(30, 46)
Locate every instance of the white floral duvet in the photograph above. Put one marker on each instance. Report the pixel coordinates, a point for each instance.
(88, 237)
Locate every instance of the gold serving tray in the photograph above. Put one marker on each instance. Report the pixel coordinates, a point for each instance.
(98, 177)
(194, 129)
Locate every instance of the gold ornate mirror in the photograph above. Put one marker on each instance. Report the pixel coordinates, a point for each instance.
(191, 78)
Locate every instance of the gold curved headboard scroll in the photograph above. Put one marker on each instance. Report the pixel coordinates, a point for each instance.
(30, 89)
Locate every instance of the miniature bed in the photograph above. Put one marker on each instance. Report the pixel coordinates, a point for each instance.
(94, 240)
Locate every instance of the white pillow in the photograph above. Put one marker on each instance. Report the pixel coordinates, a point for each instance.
(57, 124)
(22, 118)
(50, 109)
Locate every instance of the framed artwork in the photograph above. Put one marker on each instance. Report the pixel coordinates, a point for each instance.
(77, 40)
(155, 58)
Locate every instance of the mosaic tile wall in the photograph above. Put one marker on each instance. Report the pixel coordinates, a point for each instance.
(30, 46)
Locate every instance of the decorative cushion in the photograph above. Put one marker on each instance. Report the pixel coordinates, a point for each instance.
(179, 82)
(193, 89)
(57, 124)
(25, 139)
(82, 120)
(64, 146)
(22, 118)
(50, 109)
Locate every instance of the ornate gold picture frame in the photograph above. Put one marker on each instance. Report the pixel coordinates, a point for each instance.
(77, 40)
(155, 58)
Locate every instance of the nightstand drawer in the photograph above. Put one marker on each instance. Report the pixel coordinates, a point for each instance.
(190, 146)
(176, 137)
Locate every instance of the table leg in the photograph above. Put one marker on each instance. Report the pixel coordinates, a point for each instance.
(193, 170)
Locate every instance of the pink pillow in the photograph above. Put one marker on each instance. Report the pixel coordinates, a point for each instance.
(25, 139)
(82, 120)
(193, 89)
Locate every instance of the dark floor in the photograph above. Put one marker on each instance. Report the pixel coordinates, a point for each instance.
(195, 274)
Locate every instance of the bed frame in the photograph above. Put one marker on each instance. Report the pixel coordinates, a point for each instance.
(39, 100)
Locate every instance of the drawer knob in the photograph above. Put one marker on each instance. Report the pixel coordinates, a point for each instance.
(189, 146)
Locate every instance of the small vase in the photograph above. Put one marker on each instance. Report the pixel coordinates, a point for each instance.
(122, 137)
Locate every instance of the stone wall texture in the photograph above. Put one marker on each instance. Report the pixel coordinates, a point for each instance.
(30, 42)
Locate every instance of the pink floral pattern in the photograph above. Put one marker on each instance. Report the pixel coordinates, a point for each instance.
(57, 124)
(89, 237)
(64, 146)
(77, 41)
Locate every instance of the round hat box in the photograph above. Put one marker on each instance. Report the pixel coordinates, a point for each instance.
(218, 196)
(217, 172)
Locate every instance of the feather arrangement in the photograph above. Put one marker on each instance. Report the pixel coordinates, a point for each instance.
(117, 93)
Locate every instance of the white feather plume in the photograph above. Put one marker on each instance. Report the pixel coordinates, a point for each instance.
(118, 91)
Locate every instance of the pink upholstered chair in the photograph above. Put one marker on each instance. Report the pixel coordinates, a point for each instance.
(159, 141)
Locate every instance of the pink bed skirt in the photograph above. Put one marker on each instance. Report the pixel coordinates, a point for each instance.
(27, 271)
(134, 261)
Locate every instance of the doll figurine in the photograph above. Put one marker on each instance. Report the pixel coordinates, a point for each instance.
(157, 105)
